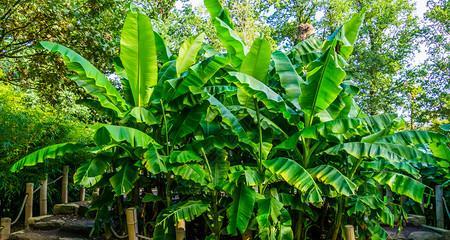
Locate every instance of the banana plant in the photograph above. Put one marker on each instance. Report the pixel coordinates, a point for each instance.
(305, 129)
(152, 114)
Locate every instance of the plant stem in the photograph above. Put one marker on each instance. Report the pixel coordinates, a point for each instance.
(168, 175)
(340, 213)
(299, 226)
(260, 167)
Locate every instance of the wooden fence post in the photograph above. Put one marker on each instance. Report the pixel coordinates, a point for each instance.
(439, 206)
(65, 185)
(82, 194)
(29, 204)
(181, 230)
(5, 228)
(43, 197)
(132, 223)
(349, 232)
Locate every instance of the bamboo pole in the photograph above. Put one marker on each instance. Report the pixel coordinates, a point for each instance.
(439, 206)
(82, 194)
(181, 230)
(131, 223)
(43, 197)
(65, 185)
(247, 235)
(29, 204)
(5, 228)
(349, 232)
(96, 194)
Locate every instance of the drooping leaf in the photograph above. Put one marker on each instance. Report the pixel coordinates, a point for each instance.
(262, 92)
(346, 128)
(331, 176)
(289, 79)
(49, 152)
(269, 209)
(123, 181)
(193, 172)
(241, 209)
(188, 53)
(187, 211)
(139, 56)
(90, 172)
(402, 184)
(153, 161)
(256, 62)
(187, 123)
(185, 156)
(391, 152)
(296, 176)
(90, 78)
(307, 51)
(438, 143)
(111, 133)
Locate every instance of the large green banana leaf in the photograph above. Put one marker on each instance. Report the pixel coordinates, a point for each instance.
(402, 184)
(187, 211)
(139, 56)
(163, 52)
(271, 219)
(438, 143)
(186, 156)
(390, 152)
(325, 74)
(345, 37)
(188, 53)
(322, 85)
(295, 175)
(263, 93)
(346, 128)
(90, 172)
(289, 78)
(241, 209)
(90, 78)
(229, 119)
(236, 49)
(153, 161)
(49, 152)
(307, 51)
(256, 62)
(215, 9)
(123, 181)
(193, 172)
(108, 134)
(331, 176)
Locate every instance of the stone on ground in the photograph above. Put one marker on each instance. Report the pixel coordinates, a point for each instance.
(66, 209)
(422, 235)
(416, 220)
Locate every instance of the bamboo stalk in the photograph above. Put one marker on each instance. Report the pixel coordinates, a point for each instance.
(349, 232)
(43, 197)
(82, 194)
(181, 230)
(5, 228)
(131, 223)
(29, 204)
(65, 185)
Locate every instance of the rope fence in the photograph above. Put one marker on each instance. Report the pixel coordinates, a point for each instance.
(21, 210)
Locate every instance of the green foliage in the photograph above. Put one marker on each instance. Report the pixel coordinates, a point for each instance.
(270, 137)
